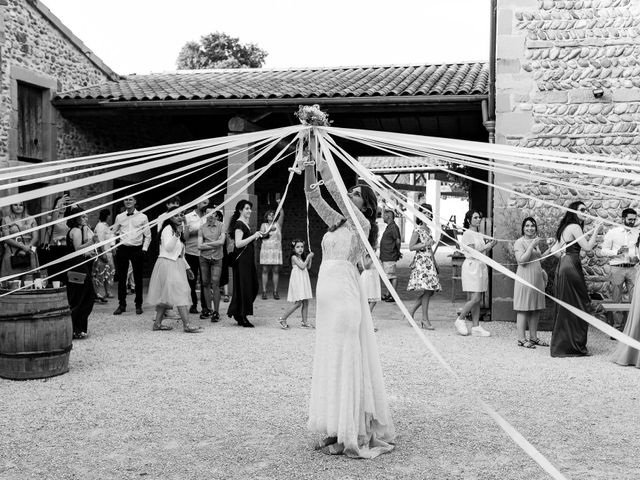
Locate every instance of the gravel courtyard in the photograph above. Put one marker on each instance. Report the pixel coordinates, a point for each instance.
(231, 403)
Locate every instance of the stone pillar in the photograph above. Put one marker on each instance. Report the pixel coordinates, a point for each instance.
(237, 161)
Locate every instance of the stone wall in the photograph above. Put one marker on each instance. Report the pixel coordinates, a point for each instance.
(37, 48)
(568, 78)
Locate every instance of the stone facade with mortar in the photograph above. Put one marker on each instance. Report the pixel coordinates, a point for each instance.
(552, 58)
(38, 50)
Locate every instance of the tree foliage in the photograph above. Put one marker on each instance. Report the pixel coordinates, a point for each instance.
(219, 50)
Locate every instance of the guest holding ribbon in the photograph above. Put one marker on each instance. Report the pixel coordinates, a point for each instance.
(136, 237)
(474, 273)
(80, 290)
(424, 273)
(19, 252)
(569, 336)
(527, 302)
(245, 276)
(625, 355)
(271, 251)
(619, 245)
(211, 238)
(169, 285)
(104, 267)
(193, 221)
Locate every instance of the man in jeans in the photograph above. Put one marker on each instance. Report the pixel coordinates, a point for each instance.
(211, 238)
(619, 245)
(193, 221)
(390, 250)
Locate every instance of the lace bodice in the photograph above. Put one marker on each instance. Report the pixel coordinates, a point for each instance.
(343, 243)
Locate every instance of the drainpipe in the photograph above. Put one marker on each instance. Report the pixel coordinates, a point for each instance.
(489, 122)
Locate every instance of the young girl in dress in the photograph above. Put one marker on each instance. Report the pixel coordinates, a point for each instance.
(299, 283)
(371, 284)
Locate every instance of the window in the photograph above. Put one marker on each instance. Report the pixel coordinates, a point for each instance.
(31, 143)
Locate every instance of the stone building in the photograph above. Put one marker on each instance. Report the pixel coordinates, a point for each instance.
(567, 78)
(39, 57)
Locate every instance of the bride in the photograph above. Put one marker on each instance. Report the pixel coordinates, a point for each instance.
(348, 404)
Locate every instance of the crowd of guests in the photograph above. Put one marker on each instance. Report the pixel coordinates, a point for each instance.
(196, 249)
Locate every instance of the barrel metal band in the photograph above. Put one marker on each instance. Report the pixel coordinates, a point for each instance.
(49, 353)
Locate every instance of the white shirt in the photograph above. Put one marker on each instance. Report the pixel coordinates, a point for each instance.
(134, 229)
(619, 237)
(193, 222)
(171, 247)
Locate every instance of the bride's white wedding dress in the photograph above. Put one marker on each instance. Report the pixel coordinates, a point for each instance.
(348, 399)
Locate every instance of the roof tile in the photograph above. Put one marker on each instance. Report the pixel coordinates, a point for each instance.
(395, 80)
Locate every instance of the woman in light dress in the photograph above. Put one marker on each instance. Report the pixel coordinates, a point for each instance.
(474, 274)
(625, 355)
(169, 286)
(527, 302)
(424, 274)
(271, 251)
(348, 405)
(104, 267)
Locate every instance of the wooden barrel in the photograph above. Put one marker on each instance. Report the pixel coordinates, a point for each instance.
(35, 333)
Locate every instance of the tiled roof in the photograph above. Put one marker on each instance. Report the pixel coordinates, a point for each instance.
(398, 164)
(341, 82)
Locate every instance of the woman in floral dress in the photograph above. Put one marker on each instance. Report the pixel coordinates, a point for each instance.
(424, 274)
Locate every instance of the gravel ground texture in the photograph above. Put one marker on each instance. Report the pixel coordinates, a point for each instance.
(231, 403)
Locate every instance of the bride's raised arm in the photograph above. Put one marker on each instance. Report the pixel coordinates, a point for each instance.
(330, 183)
(328, 214)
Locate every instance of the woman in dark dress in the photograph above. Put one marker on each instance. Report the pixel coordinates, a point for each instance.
(569, 337)
(80, 291)
(245, 276)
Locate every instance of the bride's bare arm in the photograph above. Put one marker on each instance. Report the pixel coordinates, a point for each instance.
(328, 214)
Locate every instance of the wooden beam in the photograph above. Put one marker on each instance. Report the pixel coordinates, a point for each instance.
(407, 187)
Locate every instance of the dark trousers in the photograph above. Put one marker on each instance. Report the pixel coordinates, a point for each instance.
(80, 298)
(194, 265)
(135, 255)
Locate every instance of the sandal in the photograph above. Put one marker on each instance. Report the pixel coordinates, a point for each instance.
(426, 326)
(306, 325)
(537, 341)
(161, 327)
(264, 295)
(275, 296)
(226, 299)
(190, 329)
(283, 323)
(526, 344)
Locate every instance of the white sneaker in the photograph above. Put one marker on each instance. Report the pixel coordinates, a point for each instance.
(461, 327)
(479, 332)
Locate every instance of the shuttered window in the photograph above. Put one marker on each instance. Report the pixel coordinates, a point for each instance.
(31, 140)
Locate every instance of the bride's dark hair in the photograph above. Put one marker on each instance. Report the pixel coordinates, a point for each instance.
(370, 211)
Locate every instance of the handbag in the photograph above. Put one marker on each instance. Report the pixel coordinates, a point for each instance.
(76, 277)
(20, 261)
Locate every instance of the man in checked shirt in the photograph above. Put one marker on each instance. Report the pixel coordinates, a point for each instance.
(136, 237)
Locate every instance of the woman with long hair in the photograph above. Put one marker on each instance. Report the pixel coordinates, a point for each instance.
(474, 274)
(569, 336)
(348, 404)
(169, 282)
(104, 267)
(527, 303)
(80, 290)
(271, 251)
(19, 252)
(245, 276)
(424, 274)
